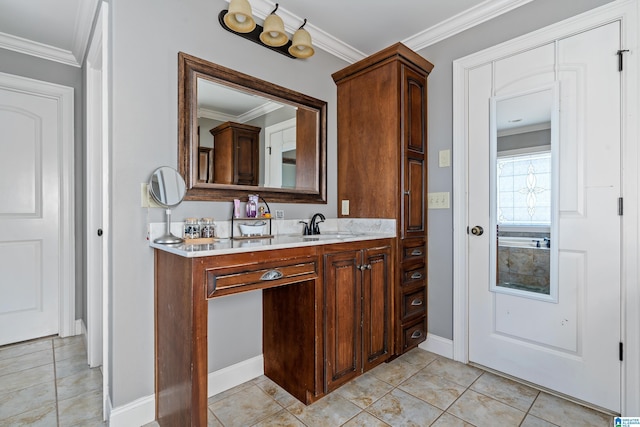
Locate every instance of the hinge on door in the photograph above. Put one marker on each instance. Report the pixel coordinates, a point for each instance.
(621, 352)
(620, 53)
(620, 206)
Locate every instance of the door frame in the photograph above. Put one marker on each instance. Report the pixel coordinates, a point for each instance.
(67, 271)
(625, 11)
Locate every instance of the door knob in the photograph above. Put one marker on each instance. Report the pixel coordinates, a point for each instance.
(477, 230)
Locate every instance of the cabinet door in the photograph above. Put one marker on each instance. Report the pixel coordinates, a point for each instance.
(375, 306)
(414, 112)
(246, 168)
(342, 317)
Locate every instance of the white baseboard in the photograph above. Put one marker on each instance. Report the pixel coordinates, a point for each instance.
(234, 375)
(143, 410)
(438, 345)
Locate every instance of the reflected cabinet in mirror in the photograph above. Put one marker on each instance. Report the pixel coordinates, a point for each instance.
(240, 135)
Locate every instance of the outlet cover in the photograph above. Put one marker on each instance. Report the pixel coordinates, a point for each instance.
(279, 214)
(345, 207)
(438, 200)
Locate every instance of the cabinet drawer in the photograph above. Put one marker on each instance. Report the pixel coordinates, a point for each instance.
(414, 250)
(414, 303)
(414, 333)
(232, 280)
(414, 275)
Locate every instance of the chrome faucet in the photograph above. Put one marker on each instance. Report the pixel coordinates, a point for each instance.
(314, 227)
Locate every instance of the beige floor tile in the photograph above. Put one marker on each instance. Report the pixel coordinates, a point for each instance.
(564, 413)
(227, 393)
(364, 419)
(506, 391)
(531, 421)
(71, 365)
(72, 348)
(245, 407)
(433, 389)
(448, 420)
(401, 409)
(14, 350)
(280, 395)
(394, 372)
(456, 372)
(283, 418)
(44, 416)
(331, 410)
(482, 410)
(364, 390)
(81, 410)
(19, 363)
(10, 383)
(212, 421)
(27, 399)
(82, 382)
(418, 357)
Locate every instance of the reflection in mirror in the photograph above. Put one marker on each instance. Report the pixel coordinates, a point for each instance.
(240, 135)
(167, 188)
(524, 180)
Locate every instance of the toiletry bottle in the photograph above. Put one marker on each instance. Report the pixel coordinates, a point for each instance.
(236, 208)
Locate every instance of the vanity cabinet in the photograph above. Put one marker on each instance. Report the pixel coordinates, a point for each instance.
(306, 291)
(357, 288)
(236, 154)
(382, 166)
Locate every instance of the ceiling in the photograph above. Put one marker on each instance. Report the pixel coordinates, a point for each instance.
(59, 30)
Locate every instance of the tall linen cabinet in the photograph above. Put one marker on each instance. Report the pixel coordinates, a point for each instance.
(382, 168)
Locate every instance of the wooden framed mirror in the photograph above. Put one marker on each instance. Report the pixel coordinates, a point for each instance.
(259, 137)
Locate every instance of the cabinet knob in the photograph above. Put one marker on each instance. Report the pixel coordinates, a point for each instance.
(416, 334)
(416, 252)
(364, 267)
(416, 302)
(416, 275)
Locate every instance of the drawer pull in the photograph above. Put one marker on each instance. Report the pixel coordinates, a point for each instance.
(416, 275)
(272, 275)
(416, 252)
(416, 334)
(416, 302)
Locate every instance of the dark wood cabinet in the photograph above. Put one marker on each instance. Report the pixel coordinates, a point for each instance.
(236, 154)
(382, 164)
(357, 287)
(301, 304)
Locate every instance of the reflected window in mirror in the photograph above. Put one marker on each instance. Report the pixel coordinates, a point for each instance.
(524, 186)
(254, 137)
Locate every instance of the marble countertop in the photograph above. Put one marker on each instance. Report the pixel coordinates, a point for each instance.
(228, 246)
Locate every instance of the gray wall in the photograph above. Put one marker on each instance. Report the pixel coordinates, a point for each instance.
(66, 75)
(147, 37)
(523, 20)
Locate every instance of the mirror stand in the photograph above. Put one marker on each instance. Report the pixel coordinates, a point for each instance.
(168, 238)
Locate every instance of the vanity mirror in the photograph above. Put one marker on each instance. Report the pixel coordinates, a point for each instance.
(240, 135)
(167, 188)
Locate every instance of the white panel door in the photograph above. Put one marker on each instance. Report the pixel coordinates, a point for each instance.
(30, 141)
(571, 344)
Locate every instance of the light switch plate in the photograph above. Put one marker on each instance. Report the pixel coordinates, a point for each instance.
(345, 207)
(438, 200)
(444, 158)
(146, 201)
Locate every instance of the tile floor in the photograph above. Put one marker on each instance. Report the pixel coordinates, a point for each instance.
(417, 389)
(47, 382)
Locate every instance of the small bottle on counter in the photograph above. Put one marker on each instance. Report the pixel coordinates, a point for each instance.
(191, 228)
(207, 228)
(252, 207)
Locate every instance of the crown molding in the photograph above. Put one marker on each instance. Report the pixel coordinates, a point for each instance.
(40, 50)
(83, 24)
(461, 22)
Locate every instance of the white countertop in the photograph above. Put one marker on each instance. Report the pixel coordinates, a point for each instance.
(344, 230)
(228, 246)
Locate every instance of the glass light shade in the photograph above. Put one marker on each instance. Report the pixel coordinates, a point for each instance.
(273, 33)
(239, 17)
(301, 46)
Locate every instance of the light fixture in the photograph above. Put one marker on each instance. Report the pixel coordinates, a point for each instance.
(239, 21)
(301, 44)
(273, 33)
(239, 17)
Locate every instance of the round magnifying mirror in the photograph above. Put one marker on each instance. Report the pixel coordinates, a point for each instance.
(167, 188)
